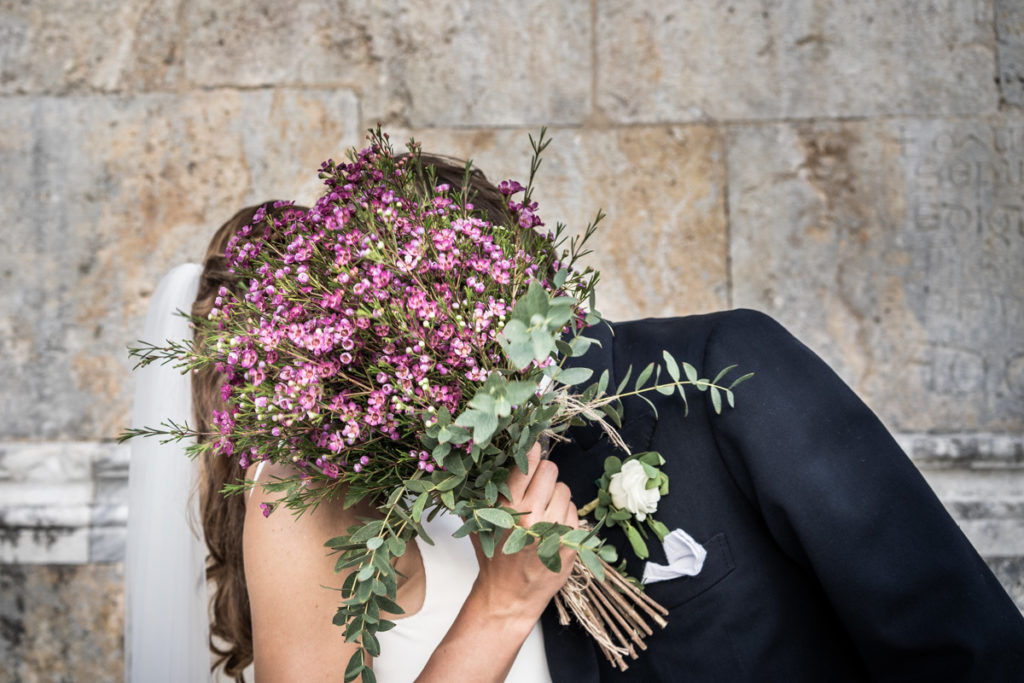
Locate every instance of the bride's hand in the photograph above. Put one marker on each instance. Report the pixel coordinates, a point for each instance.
(519, 585)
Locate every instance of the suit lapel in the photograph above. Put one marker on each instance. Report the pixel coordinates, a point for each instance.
(571, 654)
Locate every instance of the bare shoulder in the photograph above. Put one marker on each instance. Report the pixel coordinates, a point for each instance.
(287, 571)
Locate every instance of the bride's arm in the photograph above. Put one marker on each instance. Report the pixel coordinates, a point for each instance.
(511, 591)
(286, 568)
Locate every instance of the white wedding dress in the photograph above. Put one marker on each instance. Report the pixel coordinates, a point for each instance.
(450, 566)
(167, 623)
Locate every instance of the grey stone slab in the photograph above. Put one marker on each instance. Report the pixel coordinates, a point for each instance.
(60, 46)
(896, 250)
(669, 62)
(423, 64)
(104, 195)
(1010, 50)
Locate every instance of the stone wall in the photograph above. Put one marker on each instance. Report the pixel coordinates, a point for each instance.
(855, 169)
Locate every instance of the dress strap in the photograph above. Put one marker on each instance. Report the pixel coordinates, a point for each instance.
(256, 474)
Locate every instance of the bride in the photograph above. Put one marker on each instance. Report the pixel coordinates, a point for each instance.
(267, 576)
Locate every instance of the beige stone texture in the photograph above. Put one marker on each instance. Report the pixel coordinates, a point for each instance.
(105, 194)
(449, 63)
(61, 623)
(662, 248)
(895, 249)
(60, 46)
(793, 58)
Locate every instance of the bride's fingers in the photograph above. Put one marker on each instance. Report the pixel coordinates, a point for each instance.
(517, 480)
(572, 518)
(558, 507)
(540, 489)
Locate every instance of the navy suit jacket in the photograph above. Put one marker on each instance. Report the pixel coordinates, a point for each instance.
(829, 557)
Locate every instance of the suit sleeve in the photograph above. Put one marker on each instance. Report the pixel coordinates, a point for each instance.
(842, 499)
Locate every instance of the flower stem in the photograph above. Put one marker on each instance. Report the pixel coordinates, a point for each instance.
(587, 509)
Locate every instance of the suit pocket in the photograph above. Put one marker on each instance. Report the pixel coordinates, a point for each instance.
(717, 565)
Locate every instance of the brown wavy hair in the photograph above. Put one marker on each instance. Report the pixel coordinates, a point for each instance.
(223, 516)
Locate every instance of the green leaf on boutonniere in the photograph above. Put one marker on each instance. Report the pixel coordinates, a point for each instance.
(612, 465)
(659, 529)
(635, 540)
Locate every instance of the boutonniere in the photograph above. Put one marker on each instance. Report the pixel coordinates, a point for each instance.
(627, 496)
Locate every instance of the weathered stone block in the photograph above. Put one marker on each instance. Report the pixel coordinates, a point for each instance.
(793, 58)
(57, 46)
(1010, 50)
(662, 248)
(423, 64)
(896, 249)
(61, 623)
(103, 195)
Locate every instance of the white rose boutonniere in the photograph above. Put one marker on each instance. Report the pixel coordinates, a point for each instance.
(627, 496)
(629, 490)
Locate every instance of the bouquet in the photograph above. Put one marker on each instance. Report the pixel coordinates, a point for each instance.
(394, 345)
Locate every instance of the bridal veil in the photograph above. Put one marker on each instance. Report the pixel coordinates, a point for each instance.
(167, 620)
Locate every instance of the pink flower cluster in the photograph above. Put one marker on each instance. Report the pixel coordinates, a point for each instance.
(357, 319)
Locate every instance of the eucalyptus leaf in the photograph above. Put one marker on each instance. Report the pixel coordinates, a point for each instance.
(722, 373)
(644, 375)
(497, 517)
(355, 666)
(488, 542)
(515, 541)
(574, 376)
(690, 372)
(592, 562)
(468, 527)
(744, 378)
(625, 380)
(417, 507)
(671, 365)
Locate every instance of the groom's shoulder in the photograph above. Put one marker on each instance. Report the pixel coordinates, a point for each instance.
(736, 327)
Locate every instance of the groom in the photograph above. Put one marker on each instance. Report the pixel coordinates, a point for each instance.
(828, 557)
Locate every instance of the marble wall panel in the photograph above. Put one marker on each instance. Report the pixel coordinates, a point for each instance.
(103, 195)
(896, 249)
(793, 58)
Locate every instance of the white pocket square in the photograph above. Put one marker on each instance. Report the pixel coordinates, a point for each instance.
(685, 558)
